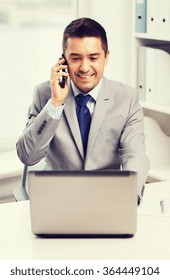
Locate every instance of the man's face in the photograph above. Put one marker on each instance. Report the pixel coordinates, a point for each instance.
(86, 61)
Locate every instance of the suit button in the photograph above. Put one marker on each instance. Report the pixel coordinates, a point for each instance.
(39, 131)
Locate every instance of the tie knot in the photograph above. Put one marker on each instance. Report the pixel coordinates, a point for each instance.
(82, 99)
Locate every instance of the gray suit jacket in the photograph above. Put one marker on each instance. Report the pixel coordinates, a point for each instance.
(116, 137)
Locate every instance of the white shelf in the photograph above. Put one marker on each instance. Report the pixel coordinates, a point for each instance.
(158, 108)
(150, 37)
(159, 113)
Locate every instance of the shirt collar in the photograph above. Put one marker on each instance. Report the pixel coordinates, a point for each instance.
(94, 92)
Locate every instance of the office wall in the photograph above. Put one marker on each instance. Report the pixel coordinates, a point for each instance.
(27, 55)
(116, 17)
(30, 44)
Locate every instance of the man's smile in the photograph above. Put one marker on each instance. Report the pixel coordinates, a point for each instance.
(83, 76)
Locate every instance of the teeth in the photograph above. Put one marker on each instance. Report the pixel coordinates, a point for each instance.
(84, 76)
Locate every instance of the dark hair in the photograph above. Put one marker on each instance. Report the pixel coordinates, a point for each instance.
(85, 27)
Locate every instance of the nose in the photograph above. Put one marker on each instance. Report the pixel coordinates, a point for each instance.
(85, 65)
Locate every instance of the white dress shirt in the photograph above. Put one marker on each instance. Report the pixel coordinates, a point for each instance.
(56, 112)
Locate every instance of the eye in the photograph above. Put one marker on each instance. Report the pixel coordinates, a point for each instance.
(93, 58)
(75, 58)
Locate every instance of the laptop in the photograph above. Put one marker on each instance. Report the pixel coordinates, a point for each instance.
(90, 203)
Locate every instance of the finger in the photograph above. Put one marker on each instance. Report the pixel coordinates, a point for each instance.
(59, 69)
(59, 62)
(57, 75)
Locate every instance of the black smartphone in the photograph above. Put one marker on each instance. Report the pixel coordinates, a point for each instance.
(63, 79)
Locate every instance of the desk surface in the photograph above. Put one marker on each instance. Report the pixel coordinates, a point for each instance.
(154, 194)
(17, 241)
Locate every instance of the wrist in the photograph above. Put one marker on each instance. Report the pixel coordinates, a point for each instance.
(56, 103)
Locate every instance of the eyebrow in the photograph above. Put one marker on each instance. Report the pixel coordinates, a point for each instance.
(91, 54)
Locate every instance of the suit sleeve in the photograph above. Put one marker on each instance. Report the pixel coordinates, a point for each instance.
(132, 143)
(33, 144)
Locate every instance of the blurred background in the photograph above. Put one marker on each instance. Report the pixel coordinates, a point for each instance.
(30, 43)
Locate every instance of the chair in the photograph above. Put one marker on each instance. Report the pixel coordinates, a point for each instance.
(20, 193)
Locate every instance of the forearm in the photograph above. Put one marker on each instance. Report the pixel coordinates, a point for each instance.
(33, 144)
(132, 145)
(138, 162)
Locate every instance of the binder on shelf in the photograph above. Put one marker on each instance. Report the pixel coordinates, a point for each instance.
(141, 75)
(150, 75)
(152, 17)
(141, 16)
(164, 18)
(158, 18)
(161, 61)
(154, 75)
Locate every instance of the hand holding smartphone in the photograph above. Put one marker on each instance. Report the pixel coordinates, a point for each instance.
(58, 82)
(63, 78)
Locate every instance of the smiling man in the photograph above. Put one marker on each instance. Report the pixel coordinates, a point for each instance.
(87, 122)
(86, 59)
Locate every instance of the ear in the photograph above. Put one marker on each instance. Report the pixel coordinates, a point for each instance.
(106, 57)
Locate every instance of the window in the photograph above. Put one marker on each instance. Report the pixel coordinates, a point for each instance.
(31, 34)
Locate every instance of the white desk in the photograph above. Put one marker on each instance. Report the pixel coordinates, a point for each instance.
(154, 193)
(152, 240)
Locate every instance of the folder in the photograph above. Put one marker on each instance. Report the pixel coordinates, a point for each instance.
(141, 73)
(153, 77)
(162, 77)
(157, 76)
(164, 18)
(141, 16)
(150, 74)
(152, 17)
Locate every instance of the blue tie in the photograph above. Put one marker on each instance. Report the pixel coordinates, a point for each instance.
(84, 117)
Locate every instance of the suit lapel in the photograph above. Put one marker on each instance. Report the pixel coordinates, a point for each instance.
(98, 116)
(71, 117)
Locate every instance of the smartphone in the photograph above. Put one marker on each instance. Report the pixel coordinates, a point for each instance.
(63, 79)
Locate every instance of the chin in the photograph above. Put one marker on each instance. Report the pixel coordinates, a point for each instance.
(85, 86)
(85, 89)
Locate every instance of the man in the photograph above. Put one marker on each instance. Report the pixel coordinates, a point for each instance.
(54, 130)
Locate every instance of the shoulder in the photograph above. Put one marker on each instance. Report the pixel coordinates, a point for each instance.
(43, 87)
(42, 92)
(119, 92)
(116, 86)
